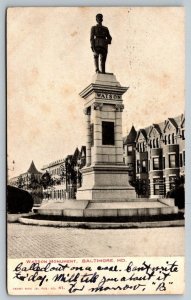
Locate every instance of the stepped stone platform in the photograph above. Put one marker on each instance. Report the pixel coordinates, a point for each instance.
(107, 208)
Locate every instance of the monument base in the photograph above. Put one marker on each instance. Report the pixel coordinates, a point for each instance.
(105, 182)
(88, 209)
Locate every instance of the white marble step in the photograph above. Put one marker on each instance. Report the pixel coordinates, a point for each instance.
(125, 205)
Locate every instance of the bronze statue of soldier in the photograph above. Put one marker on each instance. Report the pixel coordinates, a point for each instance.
(100, 39)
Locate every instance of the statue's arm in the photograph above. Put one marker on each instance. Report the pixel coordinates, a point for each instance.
(92, 38)
(109, 38)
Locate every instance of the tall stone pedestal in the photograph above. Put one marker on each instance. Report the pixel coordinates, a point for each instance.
(105, 190)
(105, 177)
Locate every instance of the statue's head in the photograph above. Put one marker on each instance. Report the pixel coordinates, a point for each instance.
(99, 18)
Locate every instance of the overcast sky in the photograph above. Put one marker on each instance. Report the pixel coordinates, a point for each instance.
(50, 62)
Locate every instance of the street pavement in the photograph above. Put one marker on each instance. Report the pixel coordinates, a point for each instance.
(39, 241)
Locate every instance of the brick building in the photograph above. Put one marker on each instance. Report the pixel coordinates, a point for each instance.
(65, 174)
(57, 189)
(156, 155)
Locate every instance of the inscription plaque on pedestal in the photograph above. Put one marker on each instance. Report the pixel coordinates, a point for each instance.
(108, 133)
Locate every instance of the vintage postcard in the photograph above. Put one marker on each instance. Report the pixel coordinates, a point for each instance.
(96, 150)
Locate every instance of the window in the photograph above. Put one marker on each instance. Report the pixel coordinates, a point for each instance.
(183, 134)
(156, 189)
(129, 150)
(165, 141)
(169, 139)
(144, 166)
(156, 163)
(107, 133)
(172, 161)
(181, 161)
(163, 162)
(157, 143)
(141, 147)
(138, 166)
(153, 143)
(183, 158)
(164, 189)
(158, 186)
(172, 182)
(173, 138)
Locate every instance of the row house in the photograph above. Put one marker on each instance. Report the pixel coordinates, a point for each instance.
(157, 153)
(56, 190)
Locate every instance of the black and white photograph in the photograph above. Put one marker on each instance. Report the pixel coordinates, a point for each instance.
(95, 150)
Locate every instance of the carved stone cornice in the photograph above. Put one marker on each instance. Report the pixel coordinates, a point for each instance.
(103, 89)
(119, 107)
(97, 106)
